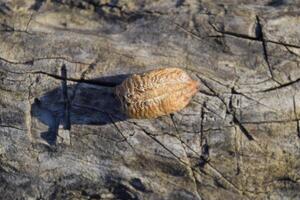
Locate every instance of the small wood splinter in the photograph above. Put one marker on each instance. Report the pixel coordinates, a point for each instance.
(156, 93)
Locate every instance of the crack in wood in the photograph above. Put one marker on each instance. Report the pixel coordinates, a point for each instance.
(235, 120)
(189, 166)
(234, 91)
(296, 116)
(125, 139)
(31, 61)
(229, 109)
(178, 136)
(260, 37)
(13, 127)
(236, 150)
(244, 36)
(284, 85)
(92, 82)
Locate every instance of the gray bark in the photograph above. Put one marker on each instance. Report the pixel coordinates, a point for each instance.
(62, 135)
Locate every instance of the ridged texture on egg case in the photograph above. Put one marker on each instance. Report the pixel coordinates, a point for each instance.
(156, 93)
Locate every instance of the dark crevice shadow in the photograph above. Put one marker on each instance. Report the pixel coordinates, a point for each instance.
(37, 4)
(88, 104)
(4, 8)
(276, 3)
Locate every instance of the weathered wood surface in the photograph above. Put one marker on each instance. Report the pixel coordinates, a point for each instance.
(62, 135)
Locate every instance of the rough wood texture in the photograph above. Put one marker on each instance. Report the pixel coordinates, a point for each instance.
(62, 135)
(156, 93)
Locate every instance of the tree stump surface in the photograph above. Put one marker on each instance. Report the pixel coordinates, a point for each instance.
(62, 135)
